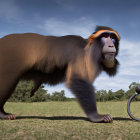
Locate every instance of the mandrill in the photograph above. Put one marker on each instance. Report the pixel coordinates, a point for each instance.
(51, 60)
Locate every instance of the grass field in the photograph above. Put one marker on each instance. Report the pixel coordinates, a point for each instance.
(66, 121)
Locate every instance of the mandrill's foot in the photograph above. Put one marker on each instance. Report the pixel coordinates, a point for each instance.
(8, 116)
(100, 118)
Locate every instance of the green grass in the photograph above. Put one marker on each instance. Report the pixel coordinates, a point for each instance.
(66, 121)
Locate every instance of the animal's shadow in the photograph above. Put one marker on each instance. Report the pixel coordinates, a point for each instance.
(53, 118)
(68, 118)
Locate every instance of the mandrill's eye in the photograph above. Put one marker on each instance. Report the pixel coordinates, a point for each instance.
(103, 39)
(113, 37)
(113, 40)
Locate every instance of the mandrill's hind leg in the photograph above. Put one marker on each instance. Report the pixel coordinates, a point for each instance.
(37, 84)
(7, 85)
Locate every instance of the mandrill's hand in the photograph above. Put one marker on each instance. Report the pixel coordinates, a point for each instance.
(100, 118)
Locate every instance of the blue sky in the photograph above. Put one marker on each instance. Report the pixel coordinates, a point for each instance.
(80, 17)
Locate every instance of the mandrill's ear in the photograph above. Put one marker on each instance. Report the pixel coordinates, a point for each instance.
(112, 71)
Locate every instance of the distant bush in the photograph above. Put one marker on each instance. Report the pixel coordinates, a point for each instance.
(103, 95)
(23, 89)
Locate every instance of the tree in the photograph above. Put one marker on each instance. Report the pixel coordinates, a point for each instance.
(131, 90)
(133, 85)
(59, 96)
(40, 95)
(98, 96)
(101, 95)
(119, 95)
(110, 95)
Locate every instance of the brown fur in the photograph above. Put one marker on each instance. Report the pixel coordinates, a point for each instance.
(50, 59)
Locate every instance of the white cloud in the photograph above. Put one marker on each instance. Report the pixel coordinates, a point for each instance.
(130, 57)
(82, 26)
(9, 10)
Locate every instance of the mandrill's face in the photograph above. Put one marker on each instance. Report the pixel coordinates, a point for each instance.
(109, 50)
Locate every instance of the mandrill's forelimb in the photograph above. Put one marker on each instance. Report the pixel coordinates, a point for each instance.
(84, 91)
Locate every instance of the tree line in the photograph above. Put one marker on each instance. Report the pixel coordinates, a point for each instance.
(23, 89)
(120, 95)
